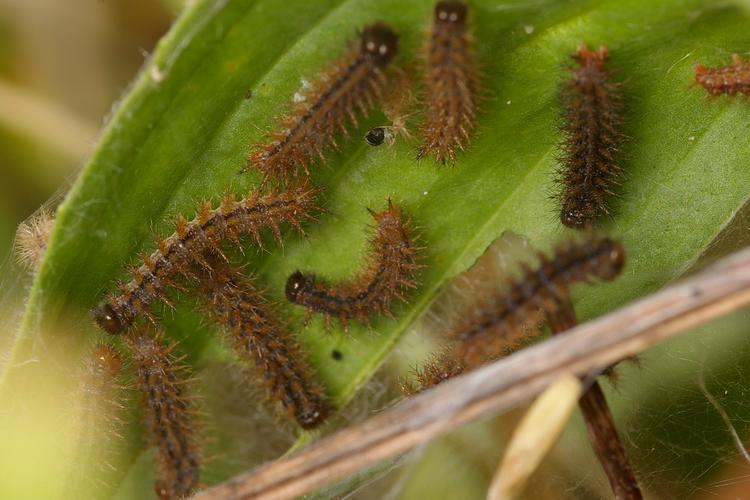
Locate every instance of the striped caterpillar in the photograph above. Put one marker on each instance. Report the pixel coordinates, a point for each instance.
(732, 79)
(388, 273)
(328, 106)
(168, 414)
(452, 82)
(177, 254)
(592, 139)
(264, 341)
(495, 320)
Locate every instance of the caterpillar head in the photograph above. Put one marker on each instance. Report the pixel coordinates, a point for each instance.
(450, 13)
(379, 43)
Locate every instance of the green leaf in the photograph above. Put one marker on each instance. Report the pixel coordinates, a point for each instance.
(182, 132)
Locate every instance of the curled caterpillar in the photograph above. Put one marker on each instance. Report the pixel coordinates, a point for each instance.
(177, 254)
(498, 315)
(328, 106)
(592, 139)
(452, 82)
(261, 338)
(168, 415)
(731, 80)
(389, 272)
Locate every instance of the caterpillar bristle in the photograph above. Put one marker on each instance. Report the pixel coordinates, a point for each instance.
(31, 240)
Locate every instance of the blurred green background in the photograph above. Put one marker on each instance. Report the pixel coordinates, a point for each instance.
(52, 104)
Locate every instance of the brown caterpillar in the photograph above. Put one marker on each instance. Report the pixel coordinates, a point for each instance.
(497, 319)
(177, 254)
(452, 83)
(592, 139)
(731, 80)
(436, 370)
(389, 272)
(168, 414)
(105, 361)
(265, 342)
(328, 106)
(97, 421)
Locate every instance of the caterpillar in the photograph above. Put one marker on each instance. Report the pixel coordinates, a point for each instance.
(452, 83)
(105, 362)
(168, 414)
(97, 420)
(592, 139)
(495, 320)
(176, 255)
(435, 371)
(732, 79)
(261, 338)
(388, 273)
(328, 106)
(31, 239)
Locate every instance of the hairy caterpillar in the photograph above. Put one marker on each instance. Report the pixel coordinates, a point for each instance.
(261, 338)
(452, 82)
(496, 318)
(328, 106)
(31, 239)
(389, 272)
(732, 79)
(168, 414)
(97, 420)
(177, 254)
(436, 370)
(592, 139)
